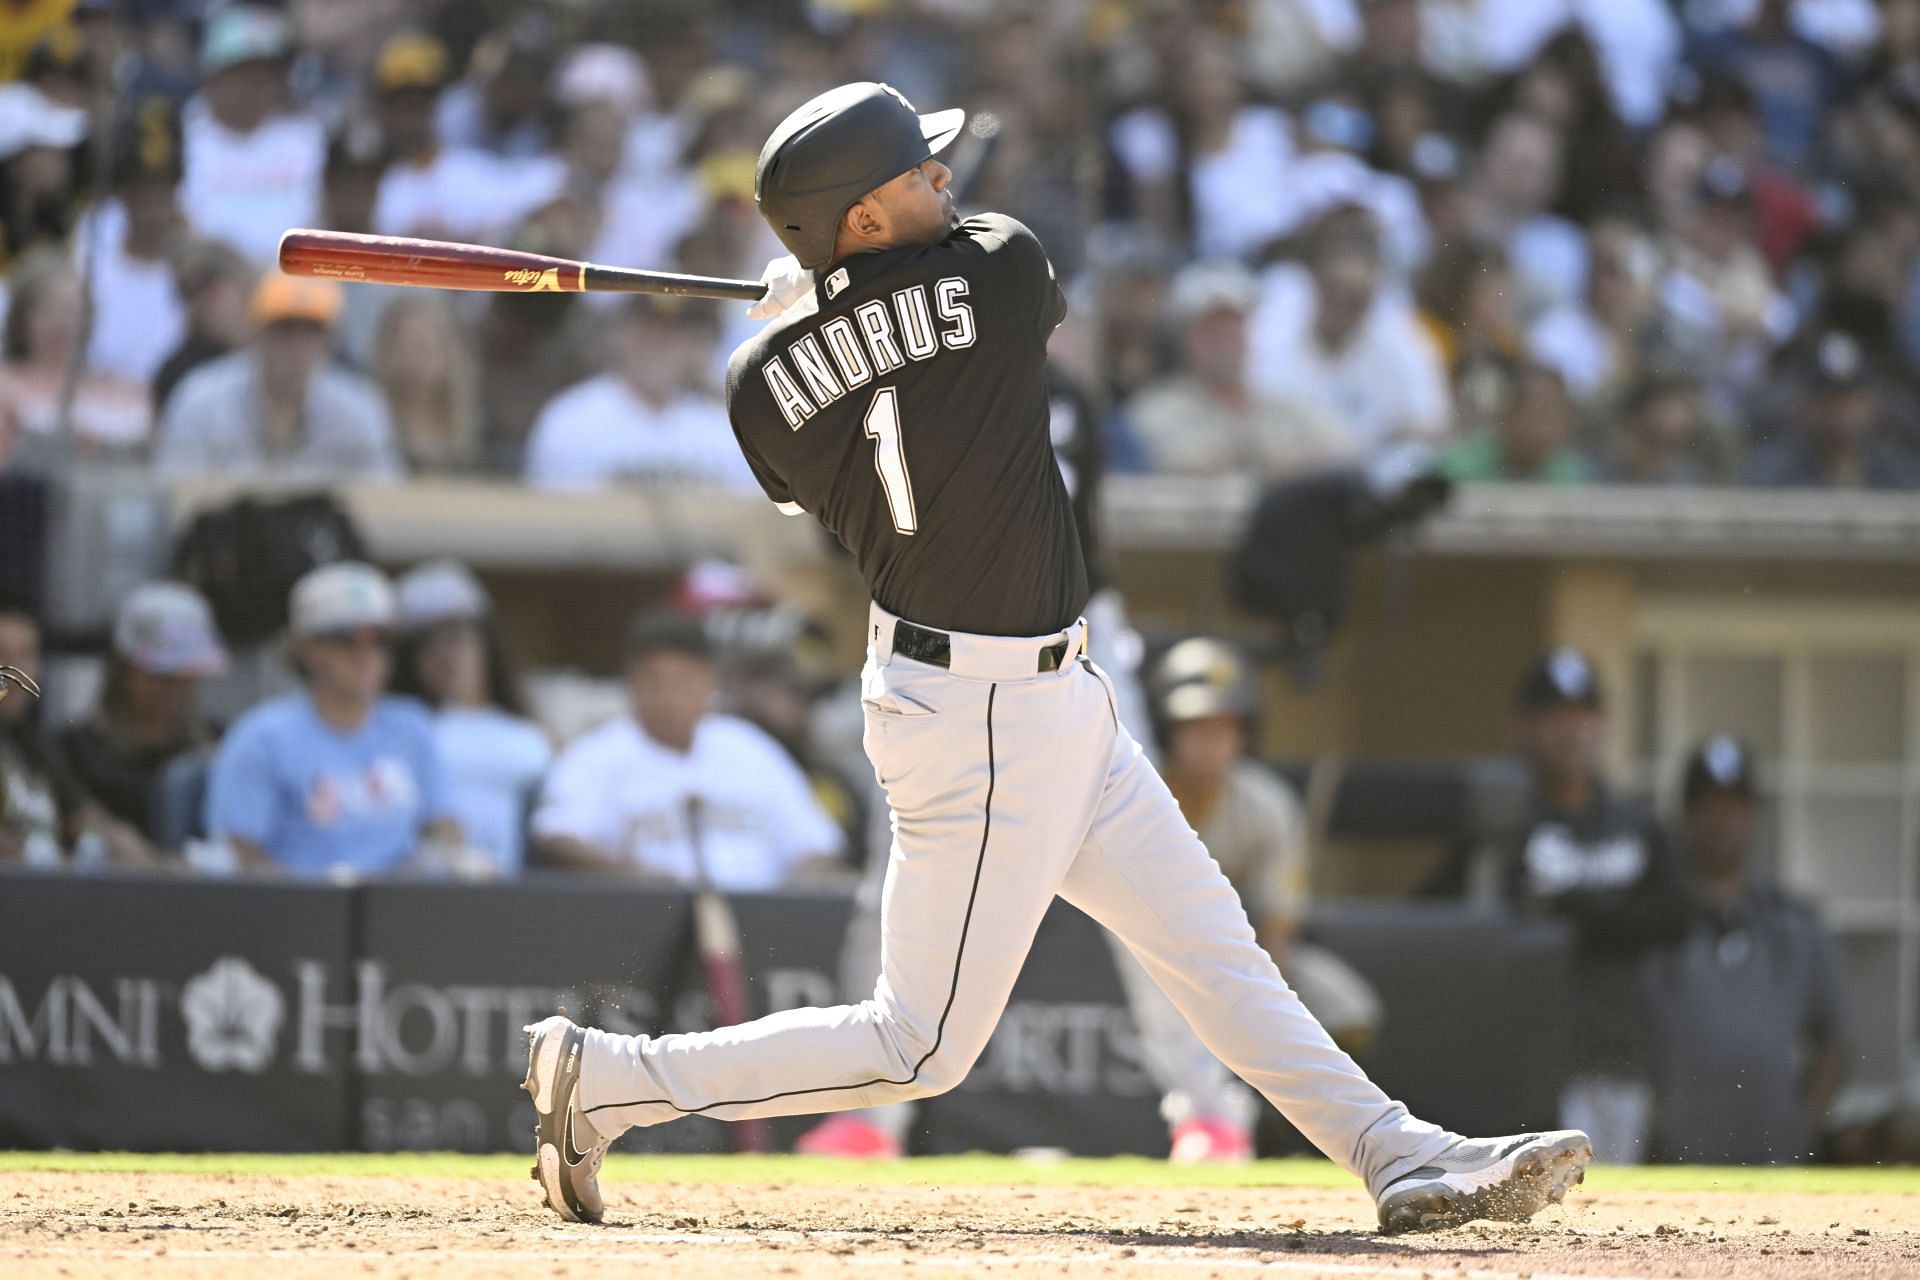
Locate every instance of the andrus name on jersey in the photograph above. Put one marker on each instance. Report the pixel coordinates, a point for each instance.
(850, 351)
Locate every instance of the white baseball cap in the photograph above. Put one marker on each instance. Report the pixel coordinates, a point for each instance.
(343, 596)
(167, 629)
(441, 591)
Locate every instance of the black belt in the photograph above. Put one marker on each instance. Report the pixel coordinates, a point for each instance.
(935, 648)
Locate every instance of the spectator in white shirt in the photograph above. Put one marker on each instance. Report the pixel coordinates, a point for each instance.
(1329, 334)
(436, 191)
(648, 793)
(125, 244)
(279, 404)
(642, 420)
(252, 168)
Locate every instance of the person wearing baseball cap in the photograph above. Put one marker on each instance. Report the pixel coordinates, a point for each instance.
(337, 778)
(452, 658)
(280, 403)
(1749, 1011)
(1598, 860)
(165, 644)
(1205, 704)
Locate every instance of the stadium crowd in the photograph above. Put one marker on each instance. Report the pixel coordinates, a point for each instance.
(1633, 241)
(1555, 241)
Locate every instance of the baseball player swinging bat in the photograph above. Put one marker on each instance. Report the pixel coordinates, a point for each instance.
(716, 935)
(900, 398)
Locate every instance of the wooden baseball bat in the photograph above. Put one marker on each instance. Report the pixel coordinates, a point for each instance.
(435, 264)
(716, 934)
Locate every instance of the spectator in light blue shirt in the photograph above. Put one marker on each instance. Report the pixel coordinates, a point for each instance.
(451, 657)
(336, 779)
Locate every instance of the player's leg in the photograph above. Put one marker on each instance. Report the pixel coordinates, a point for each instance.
(1144, 874)
(993, 785)
(1208, 1110)
(876, 1131)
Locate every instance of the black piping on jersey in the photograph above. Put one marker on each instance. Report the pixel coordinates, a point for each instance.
(953, 988)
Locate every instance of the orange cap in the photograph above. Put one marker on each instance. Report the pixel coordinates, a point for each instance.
(283, 297)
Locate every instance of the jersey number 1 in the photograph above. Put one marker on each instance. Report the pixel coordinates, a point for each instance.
(890, 458)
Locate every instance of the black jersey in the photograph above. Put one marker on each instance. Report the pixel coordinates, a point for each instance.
(907, 409)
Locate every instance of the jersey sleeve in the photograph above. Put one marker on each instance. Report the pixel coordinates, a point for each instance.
(1018, 266)
(743, 401)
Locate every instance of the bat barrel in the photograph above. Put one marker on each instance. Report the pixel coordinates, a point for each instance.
(433, 264)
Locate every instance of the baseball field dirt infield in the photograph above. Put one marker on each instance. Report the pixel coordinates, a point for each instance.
(303, 1218)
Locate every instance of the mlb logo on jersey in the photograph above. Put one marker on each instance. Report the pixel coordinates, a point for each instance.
(836, 284)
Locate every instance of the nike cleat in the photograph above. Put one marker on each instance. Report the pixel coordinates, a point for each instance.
(569, 1176)
(1504, 1179)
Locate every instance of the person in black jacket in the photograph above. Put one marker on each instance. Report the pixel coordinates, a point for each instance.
(1597, 860)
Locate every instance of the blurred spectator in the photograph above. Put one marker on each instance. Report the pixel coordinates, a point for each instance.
(1662, 437)
(529, 348)
(423, 365)
(124, 250)
(1839, 441)
(28, 23)
(451, 657)
(643, 420)
(499, 106)
(45, 819)
(252, 164)
(1599, 862)
(1638, 42)
(356, 159)
(775, 681)
(39, 808)
(1596, 342)
(1330, 173)
(214, 281)
(627, 212)
(1719, 296)
(164, 645)
(338, 777)
(1205, 703)
(280, 404)
(37, 187)
(1531, 440)
(1205, 419)
(619, 799)
(1749, 1011)
(1521, 170)
(51, 406)
(1792, 78)
(1467, 304)
(432, 190)
(1330, 335)
(1207, 149)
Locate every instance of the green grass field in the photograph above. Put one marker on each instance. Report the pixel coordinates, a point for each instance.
(976, 1170)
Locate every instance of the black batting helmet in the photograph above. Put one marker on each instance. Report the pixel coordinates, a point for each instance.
(1202, 677)
(833, 150)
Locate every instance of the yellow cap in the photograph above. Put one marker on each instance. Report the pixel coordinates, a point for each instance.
(411, 61)
(281, 297)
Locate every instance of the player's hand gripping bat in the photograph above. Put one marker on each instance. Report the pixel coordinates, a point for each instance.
(434, 264)
(717, 936)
